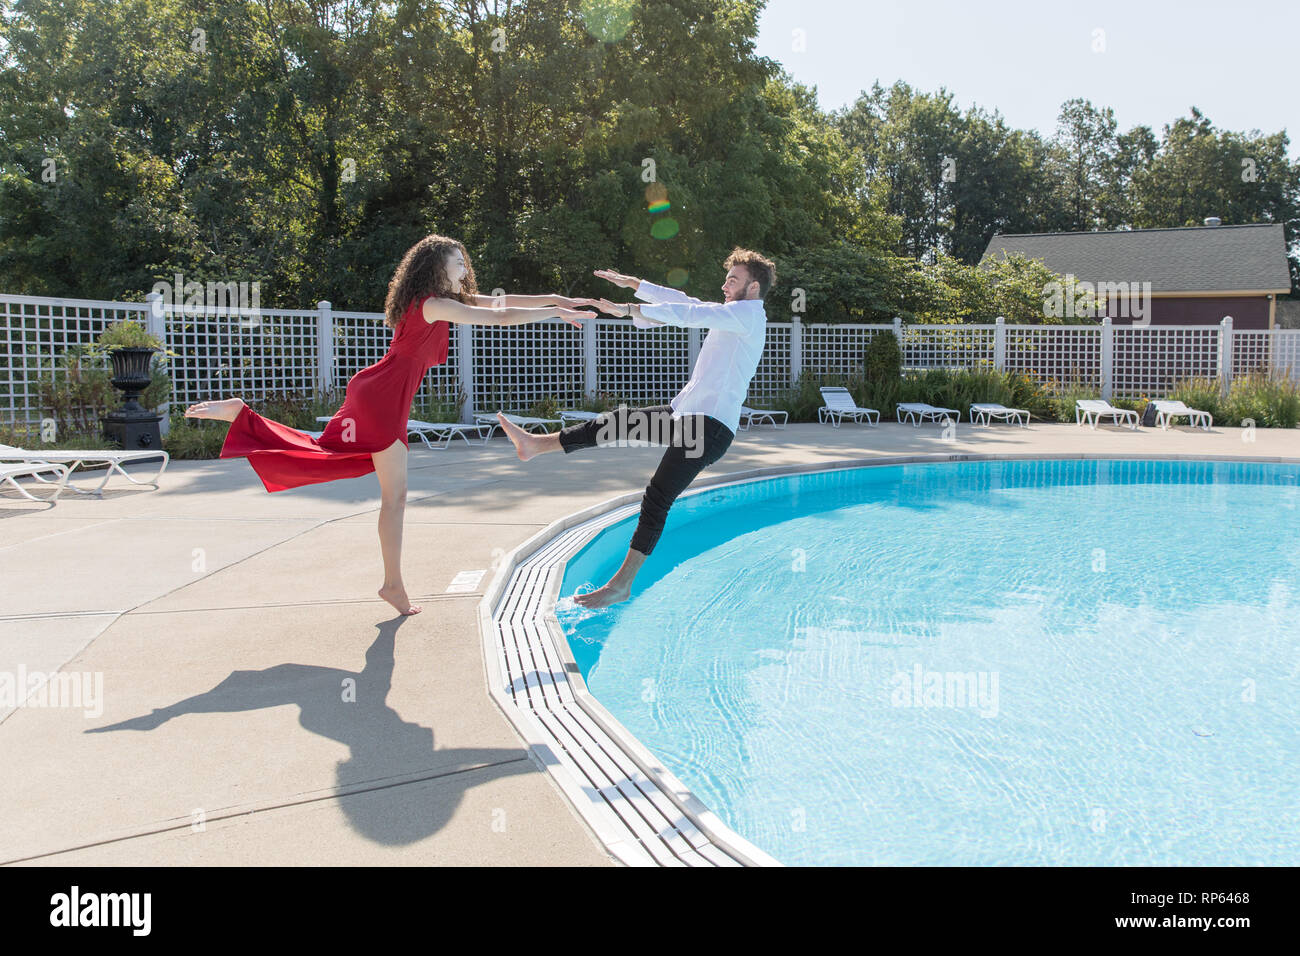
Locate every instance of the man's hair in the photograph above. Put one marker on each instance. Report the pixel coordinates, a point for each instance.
(760, 269)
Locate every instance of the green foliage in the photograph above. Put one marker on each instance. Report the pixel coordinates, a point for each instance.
(79, 391)
(883, 358)
(1205, 394)
(193, 438)
(598, 402)
(1270, 401)
(127, 334)
(439, 408)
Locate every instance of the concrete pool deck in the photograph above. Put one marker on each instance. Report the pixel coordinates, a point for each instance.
(260, 705)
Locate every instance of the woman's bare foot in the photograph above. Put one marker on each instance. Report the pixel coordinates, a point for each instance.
(527, 446)
(226, 410)
(603, 597)
(396, 596)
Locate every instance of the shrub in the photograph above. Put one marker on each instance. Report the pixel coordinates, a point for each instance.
(1202, 393)
(883, 359)
(1270, 402)
(193, 438)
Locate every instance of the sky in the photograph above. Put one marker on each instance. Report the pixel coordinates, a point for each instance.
(1156, 59)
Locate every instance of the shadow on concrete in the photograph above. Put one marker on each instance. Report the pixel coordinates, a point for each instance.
(350, 707)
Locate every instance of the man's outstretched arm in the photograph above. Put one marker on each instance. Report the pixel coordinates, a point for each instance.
(704, 315)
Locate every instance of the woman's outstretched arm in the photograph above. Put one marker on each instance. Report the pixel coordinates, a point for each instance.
(525, 301)
(451, 310)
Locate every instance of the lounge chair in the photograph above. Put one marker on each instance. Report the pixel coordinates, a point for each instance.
(1167, 410)
(839, 406)
(1098, 408)
(568, 415)
(983, 413)
(10, 473)
(918, 411)
(526, 422)
(444, 432)
(111, 460)
(760, 416)
(441, 432)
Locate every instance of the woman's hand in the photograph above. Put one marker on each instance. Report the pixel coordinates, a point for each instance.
(620, 309)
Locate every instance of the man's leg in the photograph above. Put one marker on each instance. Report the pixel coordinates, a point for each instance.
(606, 428)
(677, 469)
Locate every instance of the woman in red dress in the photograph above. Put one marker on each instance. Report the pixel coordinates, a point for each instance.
(433, 286)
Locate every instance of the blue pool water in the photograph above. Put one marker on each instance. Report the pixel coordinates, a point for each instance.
(998, 662)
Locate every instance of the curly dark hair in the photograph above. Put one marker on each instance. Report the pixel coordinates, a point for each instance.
(423, 272)
(760, 269)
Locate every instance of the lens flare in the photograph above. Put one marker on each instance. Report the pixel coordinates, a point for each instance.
(677, 277)
(664, 228)
(663, 205)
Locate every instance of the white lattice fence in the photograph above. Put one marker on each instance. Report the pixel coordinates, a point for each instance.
(837, 350)
(1267, 350)
(773, 374)
(1055, 353)
(947, 346)
(1150, 360)
(273, 352)
(36, 332)
(221, 352)
(518, 366)
(641, 366)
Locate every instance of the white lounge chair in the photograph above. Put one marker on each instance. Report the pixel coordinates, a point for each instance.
(568, 415)
(918, 411)
(1098, 408)
(1167, 410)
(762, 416)
(444, 432)
(10, 473)
(441, 432)
(839, 406)
(111, 460)
(526, 422)
(983, 413)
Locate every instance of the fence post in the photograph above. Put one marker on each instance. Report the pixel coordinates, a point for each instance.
(1107, 357)
(589, 373)
(898, 334)
(324, 345)
(692, 347)
(1225, 355)
(155, 323)
(999, 343)
(796, 349)
(465, 358)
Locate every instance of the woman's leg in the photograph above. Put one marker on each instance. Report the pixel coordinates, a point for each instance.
(226, 411)
(390, 467)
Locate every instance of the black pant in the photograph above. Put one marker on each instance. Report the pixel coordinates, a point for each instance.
(677, 469)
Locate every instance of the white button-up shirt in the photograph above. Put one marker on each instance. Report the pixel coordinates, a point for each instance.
(730, 353)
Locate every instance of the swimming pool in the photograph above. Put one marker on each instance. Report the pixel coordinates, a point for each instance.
(987, 662)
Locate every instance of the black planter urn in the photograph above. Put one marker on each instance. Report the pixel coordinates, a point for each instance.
(134, 427)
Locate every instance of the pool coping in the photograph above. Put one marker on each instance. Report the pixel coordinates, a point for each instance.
(636, 808)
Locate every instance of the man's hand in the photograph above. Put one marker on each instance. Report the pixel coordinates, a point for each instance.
(625, 282)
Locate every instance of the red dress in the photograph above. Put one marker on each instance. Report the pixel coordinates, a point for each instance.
(372, 417)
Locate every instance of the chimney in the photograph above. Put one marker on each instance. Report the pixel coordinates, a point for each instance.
(1213, 221)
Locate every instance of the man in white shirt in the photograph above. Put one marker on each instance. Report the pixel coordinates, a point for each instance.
(701, 420)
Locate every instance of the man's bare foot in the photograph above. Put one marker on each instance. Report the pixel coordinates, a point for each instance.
(525, 444)
(603, 597)
(226, 411)
(398, 599)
